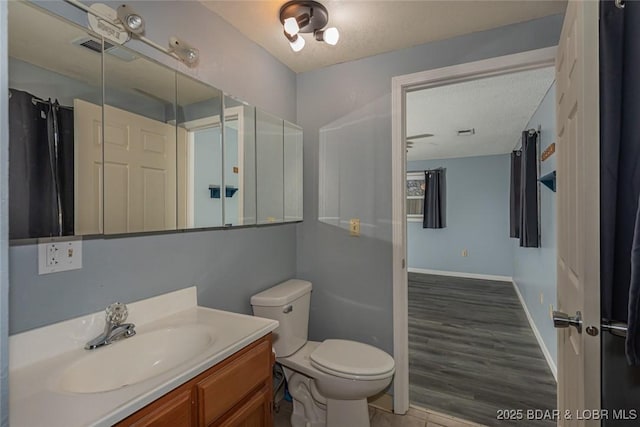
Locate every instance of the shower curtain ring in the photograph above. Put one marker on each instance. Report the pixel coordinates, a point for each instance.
(619, 4)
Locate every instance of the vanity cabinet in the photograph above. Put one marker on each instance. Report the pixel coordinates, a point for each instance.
(236, 392)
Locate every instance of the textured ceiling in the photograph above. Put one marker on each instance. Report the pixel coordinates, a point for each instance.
(499, 109)
(372, 27)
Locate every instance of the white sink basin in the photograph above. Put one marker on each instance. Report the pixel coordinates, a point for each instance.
(135, 359)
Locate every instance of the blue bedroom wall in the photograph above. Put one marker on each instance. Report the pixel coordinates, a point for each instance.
(477, 194)
(534, 270)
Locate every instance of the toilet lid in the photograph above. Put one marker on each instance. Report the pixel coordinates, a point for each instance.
(351, 358)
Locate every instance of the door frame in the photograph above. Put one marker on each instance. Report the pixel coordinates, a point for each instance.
(230, 113)
(400, 85)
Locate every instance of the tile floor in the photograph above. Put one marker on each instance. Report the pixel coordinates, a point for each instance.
(380, 418)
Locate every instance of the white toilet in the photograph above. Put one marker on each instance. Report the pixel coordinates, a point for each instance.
(329, 381)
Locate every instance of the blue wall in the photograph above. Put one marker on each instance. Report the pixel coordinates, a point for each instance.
(535, 268)
(352, 277)
(227, 266)
(477, 193)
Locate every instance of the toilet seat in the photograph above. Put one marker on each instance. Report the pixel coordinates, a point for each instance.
(352, 360)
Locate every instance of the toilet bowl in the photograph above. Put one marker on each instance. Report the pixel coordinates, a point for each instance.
(329, 381)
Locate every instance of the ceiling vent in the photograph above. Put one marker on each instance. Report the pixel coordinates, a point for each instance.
(467, 132)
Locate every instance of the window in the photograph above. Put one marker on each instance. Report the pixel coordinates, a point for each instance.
(415, 196)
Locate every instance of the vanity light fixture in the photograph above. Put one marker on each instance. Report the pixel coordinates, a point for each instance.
(187, 53)
(303, 17)
(126, 19)
(131, 20)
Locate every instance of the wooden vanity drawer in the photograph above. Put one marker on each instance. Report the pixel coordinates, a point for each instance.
(233, 382)
(173, 410)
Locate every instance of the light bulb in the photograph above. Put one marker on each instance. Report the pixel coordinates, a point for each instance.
(331, 36)
(291, 26)
(134, 22)
(131, 20)
(297, 44)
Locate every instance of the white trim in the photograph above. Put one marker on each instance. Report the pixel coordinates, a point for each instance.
(536, 332)
(399, 85)
(460, 274)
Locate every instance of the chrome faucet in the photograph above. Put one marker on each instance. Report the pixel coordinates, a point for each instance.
(114, 329)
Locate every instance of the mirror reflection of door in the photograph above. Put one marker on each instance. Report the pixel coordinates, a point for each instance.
(239, 163)
(139, 144)
(199, 108)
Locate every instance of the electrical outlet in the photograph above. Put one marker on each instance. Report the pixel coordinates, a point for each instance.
(354, 227)
(465, 252)
(59, 256)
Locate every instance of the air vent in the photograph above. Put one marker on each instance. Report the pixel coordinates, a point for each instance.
(467, 132)
(110, 48)
(92, 44)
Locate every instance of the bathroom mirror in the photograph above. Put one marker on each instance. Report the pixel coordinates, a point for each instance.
(239, 162)
(176, 153)
(292, 172)
(269, 168)
(140, 155)
(199, 138)
(55, 77)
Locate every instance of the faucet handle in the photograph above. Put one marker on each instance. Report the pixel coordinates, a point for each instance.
(116, 313)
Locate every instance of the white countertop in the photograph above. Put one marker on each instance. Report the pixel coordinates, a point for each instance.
(36, 365)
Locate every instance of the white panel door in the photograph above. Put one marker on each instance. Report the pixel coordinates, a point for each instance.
(87, 128)
(577, 113)
(139, 173)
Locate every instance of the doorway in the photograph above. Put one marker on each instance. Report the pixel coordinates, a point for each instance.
(401, 86)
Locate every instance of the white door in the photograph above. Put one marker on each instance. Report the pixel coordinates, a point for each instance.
(577, 113)
(87, 119)
(139, 173)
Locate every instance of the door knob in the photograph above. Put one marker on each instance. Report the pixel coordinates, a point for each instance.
(563, 320)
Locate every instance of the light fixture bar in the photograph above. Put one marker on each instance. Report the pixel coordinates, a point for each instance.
(143, 39)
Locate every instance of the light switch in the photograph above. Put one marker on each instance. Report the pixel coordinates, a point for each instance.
(59, 256)
(354, 227)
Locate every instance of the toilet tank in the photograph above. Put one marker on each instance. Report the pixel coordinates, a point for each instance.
(288, 303)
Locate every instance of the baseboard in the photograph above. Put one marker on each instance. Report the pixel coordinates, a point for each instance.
(382, 401)
(536, 332)
(458, 274)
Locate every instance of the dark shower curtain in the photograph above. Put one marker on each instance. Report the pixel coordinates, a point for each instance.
(619, 171)
(40, 167)
(434, 212)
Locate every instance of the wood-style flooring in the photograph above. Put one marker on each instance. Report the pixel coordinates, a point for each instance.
(472, 352)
